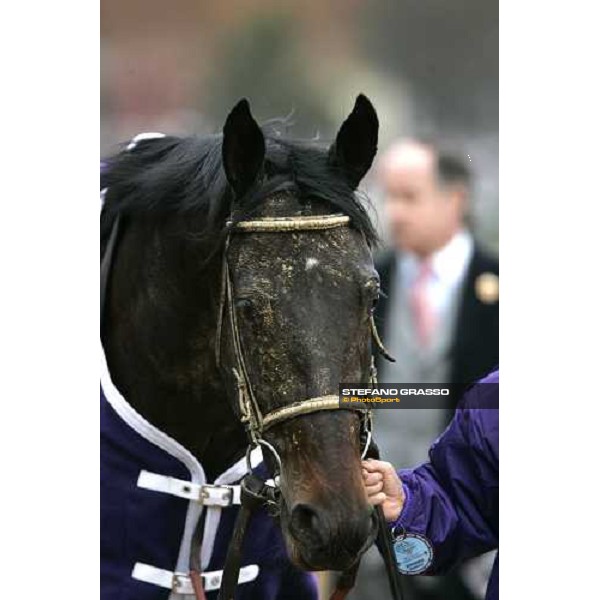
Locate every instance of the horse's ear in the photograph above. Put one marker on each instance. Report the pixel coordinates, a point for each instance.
(356, 143)
(243, 148)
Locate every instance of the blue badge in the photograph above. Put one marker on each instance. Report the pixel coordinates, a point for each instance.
(414, 553)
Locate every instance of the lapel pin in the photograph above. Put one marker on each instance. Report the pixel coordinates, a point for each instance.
(487, 288)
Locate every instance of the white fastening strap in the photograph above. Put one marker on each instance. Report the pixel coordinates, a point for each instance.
(206, 494)
(181, 583)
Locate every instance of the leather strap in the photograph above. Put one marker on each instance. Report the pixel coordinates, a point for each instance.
(297, 223)
(385, 541)
(345, 583)
(386, 545)
(252, 497)
(197, 585)
(303, 407)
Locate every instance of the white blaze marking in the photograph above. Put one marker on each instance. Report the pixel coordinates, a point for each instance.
(310, 263)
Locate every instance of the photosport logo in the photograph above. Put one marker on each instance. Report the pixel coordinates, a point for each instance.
(410, 395)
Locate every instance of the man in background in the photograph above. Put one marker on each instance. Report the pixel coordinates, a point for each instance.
(440, 315)
(437, 315)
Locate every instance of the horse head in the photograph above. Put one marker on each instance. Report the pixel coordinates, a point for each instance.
(302, 301)
(203, 310)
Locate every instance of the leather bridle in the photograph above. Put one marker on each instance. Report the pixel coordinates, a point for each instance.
(255, 422)
(255, 493)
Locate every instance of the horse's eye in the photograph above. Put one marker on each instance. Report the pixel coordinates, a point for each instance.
(375, 301)
(373, 291)
(244, 305)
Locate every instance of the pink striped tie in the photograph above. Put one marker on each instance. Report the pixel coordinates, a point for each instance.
(422, 310)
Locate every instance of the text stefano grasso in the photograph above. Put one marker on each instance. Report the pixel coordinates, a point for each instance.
(423, 391)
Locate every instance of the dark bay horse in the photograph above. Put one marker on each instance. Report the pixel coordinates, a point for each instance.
(302, 301)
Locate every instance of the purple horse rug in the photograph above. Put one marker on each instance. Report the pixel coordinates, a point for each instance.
(154, 493)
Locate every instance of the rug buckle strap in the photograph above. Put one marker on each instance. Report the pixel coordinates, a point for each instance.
(205, 494)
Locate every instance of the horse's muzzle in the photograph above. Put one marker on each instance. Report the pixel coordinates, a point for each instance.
(322, 541)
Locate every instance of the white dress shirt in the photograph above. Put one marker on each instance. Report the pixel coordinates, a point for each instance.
(405, 435)
(448, 269)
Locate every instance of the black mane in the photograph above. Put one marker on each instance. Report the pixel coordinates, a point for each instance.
(183, 174)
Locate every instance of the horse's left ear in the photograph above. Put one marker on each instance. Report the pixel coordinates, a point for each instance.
(355, 145)
(243, 148)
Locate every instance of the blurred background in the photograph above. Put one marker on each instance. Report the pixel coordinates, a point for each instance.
(430, 67)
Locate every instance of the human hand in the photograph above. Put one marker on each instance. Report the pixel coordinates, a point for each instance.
(383, 487)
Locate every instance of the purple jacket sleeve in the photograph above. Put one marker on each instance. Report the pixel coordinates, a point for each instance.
(453, 499)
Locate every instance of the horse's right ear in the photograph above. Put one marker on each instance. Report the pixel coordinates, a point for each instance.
(356, 142)
(243, 148)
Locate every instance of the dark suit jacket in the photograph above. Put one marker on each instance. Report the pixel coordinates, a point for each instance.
(474, 348)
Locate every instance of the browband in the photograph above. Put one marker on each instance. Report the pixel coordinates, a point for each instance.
(298, 223)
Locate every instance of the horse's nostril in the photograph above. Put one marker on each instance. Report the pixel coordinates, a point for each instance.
(304, 517)
(306, 524)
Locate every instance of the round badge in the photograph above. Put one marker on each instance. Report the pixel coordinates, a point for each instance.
(414, 554)
(487, 288)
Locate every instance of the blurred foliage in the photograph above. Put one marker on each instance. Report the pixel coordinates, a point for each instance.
(262, 62)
